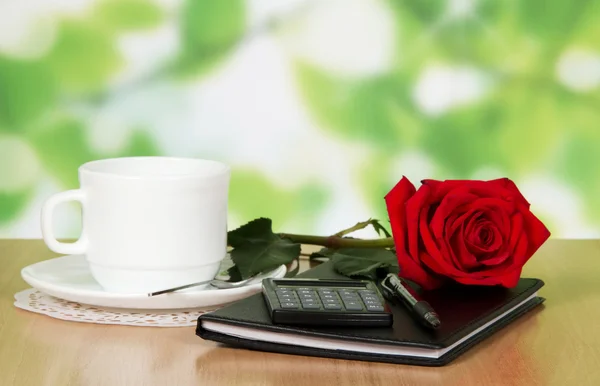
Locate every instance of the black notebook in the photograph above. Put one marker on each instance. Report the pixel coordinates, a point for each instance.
(468, 314)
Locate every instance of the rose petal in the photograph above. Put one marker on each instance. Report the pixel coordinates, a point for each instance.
(396, 207)
(441, 188)
(467, 259)
(417, 203)
(500, 269)
(430, 244)
(519, 240)
(495, 260)
(510, 186)
(483, 248)
(447, 247)
(496, 239)
(536, 231)
(472, 280)
(462, 219)
(451, 204)
(506, 264)
(499, 217)
(445, 266)
(502, 187)
(509, 280)
(410, 267)
(473, 228)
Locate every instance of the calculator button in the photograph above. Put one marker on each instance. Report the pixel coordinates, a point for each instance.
(332, 306)
(311, 306)
(372, 303)
(331, 301)
(350, 297)
(285, 293)
(367, 292)
(305, 291)
(346, 292)
(353, 306)
(326, 291)
(374, 307)
(328, 296)
(286, 297)
(289, 305)
(371, 299)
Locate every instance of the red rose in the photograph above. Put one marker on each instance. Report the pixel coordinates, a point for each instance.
(472, 232)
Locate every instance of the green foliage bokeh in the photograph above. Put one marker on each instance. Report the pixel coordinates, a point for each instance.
(529, 123)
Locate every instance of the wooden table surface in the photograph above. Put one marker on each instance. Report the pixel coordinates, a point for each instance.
(557, 344)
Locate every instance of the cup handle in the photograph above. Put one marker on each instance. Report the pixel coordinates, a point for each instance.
(76, 248)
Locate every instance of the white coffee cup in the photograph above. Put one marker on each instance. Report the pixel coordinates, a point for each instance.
(149, 223)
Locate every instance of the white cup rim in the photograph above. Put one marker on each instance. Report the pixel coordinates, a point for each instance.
(220, 169)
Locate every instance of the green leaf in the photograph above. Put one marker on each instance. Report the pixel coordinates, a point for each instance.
(296, 268)
(252, 258)
(128, 14)
(209, 30)
(234, 274)
(257, 249)
(369, 263)
(11, 204)
(84, 56)
(255, 231)
(380, 229)
(27, 90)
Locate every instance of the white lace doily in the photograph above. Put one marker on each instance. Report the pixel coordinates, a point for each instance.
(38, 302)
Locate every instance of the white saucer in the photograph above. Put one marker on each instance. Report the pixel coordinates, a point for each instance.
(69, 278)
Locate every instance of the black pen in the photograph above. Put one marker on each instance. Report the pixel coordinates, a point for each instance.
(393, 288)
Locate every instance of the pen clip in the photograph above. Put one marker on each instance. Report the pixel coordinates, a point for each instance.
(388, 290)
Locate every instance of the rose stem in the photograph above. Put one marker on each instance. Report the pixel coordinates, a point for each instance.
(339, 242)
(358, 226)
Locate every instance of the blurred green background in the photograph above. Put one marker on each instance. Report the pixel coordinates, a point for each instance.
(319, 106)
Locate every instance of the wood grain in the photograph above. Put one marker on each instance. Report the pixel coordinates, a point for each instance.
(558, 344)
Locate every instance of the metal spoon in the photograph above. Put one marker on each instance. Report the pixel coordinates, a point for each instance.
(220, 284)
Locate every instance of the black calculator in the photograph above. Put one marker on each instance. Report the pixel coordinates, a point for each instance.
(323, 302)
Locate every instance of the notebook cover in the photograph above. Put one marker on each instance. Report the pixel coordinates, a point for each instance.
(462, 310)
